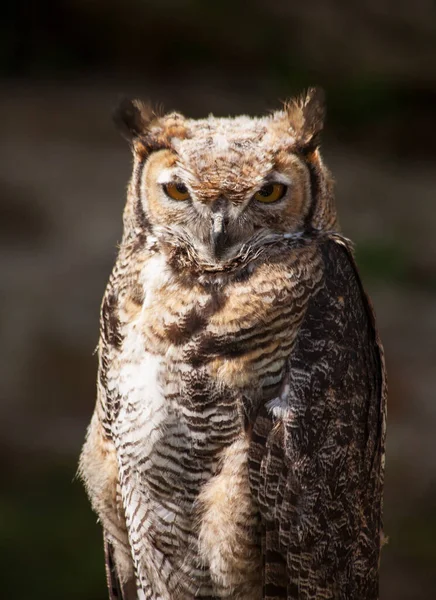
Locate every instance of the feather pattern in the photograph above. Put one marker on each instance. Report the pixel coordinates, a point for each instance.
(236, 449)
(316, 467)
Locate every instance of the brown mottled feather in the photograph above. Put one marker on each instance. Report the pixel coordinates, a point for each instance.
(316, 468)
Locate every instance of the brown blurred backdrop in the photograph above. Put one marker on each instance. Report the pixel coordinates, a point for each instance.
(63, 174)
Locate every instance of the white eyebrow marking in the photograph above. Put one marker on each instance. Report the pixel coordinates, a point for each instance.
(277, 177)
(166, 175)
(220, 141)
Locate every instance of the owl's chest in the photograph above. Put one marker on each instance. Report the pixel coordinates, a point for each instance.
(200, 350)
(188, 361)
(234, 338)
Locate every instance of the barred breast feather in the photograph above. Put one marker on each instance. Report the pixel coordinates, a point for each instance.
(179, 411)
(181, 406)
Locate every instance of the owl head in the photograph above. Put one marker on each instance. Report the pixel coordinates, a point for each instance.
(216, 187)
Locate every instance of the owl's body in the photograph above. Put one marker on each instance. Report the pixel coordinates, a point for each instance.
(236, 448)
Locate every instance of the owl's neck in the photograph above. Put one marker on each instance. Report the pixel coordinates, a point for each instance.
(189, 263)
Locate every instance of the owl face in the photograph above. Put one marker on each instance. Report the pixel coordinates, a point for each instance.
(218, 186)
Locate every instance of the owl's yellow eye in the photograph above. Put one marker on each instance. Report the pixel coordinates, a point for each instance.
(271, 192)
(176, 191)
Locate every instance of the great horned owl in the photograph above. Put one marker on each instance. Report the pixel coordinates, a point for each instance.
(236, 450)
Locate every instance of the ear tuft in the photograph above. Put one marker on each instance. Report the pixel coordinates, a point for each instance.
(133, 118)
(306, 117)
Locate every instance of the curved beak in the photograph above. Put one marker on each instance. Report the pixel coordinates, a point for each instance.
(218, 234)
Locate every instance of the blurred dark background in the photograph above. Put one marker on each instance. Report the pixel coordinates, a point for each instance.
(63, 174)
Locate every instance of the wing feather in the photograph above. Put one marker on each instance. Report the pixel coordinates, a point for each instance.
(316, 466)
(113, 582)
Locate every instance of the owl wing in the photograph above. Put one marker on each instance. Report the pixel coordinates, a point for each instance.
(317, 452)
(113, 583)
(116, 590)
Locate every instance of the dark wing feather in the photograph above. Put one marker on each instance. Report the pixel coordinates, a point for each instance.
(113, 582)
(116, 590)
(316, 463)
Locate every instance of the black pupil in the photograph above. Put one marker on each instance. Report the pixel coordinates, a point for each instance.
(181, 188)
(267, 190)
